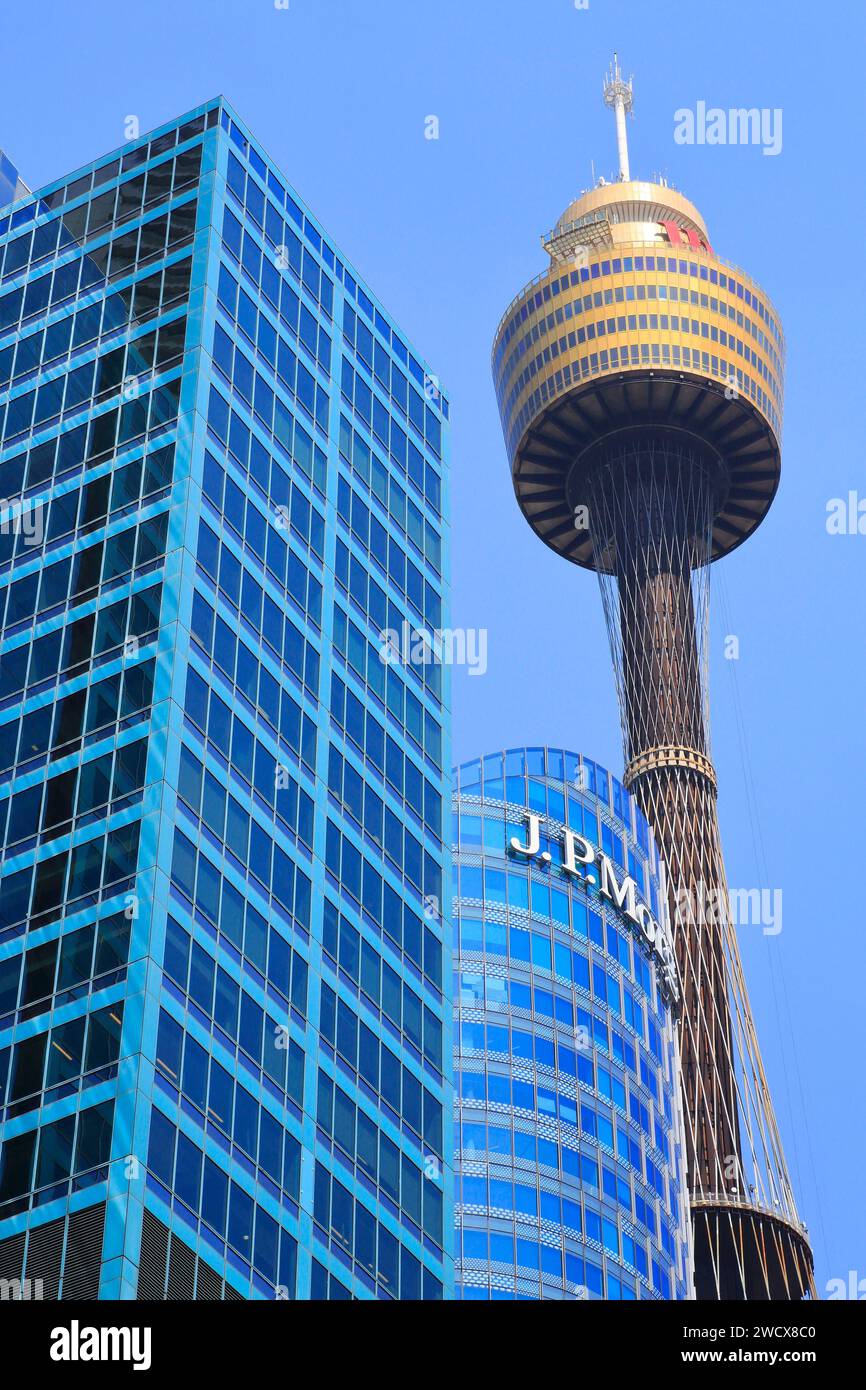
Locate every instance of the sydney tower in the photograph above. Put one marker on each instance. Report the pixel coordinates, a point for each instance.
(639, 380)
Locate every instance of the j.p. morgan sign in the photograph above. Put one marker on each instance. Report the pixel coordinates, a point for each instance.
(584, 862)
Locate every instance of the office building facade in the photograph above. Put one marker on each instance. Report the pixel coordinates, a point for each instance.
(569, 1142)
(225, 1028)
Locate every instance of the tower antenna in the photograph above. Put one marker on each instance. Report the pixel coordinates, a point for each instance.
(618, 94)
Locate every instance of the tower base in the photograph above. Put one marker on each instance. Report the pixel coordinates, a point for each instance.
(742, 1253)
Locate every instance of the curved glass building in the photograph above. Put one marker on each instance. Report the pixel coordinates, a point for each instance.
(568, 1127)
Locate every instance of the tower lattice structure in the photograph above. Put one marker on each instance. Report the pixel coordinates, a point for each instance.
(640, 385)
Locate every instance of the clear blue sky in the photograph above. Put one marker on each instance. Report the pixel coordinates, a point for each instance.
(447, 232)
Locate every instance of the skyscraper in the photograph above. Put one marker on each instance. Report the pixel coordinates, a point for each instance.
(639, 381)
(570, 1151)
(11, 184)
(225, 1032)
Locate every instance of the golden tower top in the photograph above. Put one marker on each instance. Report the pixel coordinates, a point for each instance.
(638, 323)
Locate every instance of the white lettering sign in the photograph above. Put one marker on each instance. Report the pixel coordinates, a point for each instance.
(578, 858)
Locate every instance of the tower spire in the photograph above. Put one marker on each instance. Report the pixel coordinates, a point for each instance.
(619, 95)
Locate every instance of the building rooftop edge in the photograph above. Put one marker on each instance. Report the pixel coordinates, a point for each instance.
(220, 101)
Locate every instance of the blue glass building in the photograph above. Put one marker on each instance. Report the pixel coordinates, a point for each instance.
(568, 1127)
(11, 183)
(225, 1033)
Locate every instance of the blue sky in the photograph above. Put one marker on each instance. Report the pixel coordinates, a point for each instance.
(447, 231)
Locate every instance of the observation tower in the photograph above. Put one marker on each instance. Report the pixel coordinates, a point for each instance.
(640, 386)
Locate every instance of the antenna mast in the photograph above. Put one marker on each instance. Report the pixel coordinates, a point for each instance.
(618, 94)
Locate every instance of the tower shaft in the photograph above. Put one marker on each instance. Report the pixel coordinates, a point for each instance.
(652, 496)
(680, 803)
(651, 505)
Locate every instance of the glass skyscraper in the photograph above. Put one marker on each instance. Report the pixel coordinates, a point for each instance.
(225, 1027)
(569, 1137)
(11, 184)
